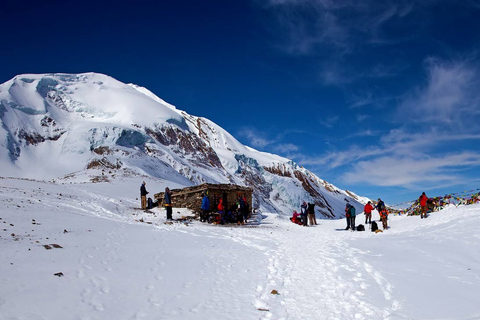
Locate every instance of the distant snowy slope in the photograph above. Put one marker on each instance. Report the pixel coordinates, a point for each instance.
(91, 125)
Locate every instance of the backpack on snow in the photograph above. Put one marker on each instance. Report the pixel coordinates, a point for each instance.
(374, 226)
(149, 203)
(360, 227)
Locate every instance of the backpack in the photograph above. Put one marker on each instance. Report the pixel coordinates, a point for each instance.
(360, 227)
(149, 203)
(374, 226)
(381, 206)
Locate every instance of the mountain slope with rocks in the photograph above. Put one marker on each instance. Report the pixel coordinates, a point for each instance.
(90, 127)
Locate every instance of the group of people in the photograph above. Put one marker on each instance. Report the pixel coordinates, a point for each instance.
(306, 215)
(382, 211)
(167, 200)
(367, 209)
(238, 213)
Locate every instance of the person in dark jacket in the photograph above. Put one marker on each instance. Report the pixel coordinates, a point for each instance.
(382, 211)
(168, 203)
(352, 214)
(311, 214)
(143, 196)
(205, 208)
(304, 214)
(380, 205)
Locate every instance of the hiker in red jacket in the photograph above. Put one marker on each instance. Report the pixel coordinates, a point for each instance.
(423, 204)
(368, 212)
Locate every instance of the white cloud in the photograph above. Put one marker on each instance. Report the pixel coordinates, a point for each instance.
(285, 148)
(255, 138)
(412, 173)
(449, 94)
(404, 159)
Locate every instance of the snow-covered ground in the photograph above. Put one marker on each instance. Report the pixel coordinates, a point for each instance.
(84, 251)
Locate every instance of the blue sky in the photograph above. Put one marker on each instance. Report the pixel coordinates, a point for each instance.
(378, 97)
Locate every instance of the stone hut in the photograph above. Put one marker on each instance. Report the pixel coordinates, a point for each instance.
(191, 197)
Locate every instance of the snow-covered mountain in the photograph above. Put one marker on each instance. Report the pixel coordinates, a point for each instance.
(90, 127)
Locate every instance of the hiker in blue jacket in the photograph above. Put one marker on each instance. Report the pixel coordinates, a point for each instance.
(205, 208)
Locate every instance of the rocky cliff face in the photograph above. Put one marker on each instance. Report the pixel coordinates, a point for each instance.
(67, 124)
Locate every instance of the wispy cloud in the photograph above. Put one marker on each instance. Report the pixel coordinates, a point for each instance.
(404, 159)
(257, 139)
(412, 173)
(261, 140)
(329, 122)
(287, 147)
(449, 95)
(363, 117)
(339, 25)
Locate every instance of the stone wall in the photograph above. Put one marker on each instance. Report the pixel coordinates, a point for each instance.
(191, 197)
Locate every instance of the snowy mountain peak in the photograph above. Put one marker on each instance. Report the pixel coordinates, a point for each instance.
(90, 126)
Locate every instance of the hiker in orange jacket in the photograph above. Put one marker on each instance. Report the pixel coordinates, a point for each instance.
(423, 204)
(384, 218)
(368, 212)
(382, 210)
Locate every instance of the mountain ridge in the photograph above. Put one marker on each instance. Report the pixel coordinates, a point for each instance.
(54, 125)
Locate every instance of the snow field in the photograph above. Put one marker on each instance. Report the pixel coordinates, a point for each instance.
(118, 262)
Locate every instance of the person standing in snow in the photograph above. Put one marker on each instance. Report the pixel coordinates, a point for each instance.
(384, 218)
(368, 212)
(423, 204)
(382, 210)
(311, 214)
(347, 215)
(168, 203)
(245, 209)
(380, 205)
(240, 211)
(304, 214)
(143, 196)
(352, 214)
(205, 208)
